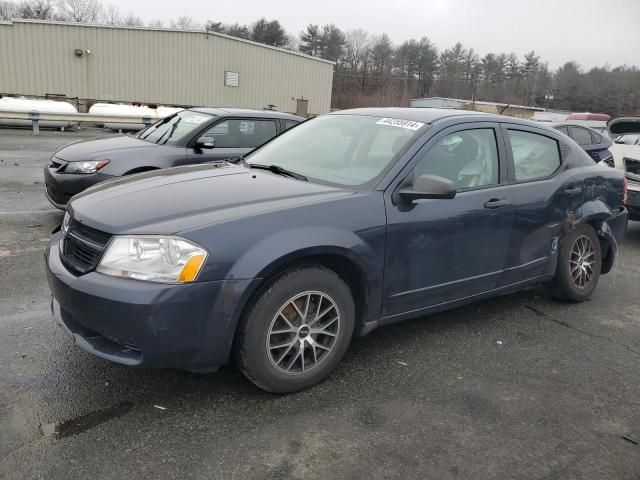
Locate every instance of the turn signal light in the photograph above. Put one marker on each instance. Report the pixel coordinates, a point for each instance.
(191, 268)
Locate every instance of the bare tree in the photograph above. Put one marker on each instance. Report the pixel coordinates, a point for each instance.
(156, 24)
(82, 11)
(357, 54)
(112, 15)
(36, 9)
(8, 10)
(132, 20)
(185, 23)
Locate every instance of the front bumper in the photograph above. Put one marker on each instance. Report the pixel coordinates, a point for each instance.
(62, 186)
(141, 323)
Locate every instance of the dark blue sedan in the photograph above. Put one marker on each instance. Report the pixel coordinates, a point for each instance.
(344, 223)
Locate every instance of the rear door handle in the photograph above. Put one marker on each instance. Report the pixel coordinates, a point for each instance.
(497, 203)
(573, 190)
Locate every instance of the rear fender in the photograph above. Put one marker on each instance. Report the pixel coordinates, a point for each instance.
(610, 228)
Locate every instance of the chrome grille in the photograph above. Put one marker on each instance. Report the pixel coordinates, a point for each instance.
(82, 247)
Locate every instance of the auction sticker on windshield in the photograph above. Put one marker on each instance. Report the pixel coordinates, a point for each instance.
(397, 122)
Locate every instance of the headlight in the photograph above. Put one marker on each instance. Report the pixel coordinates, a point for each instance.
(65, 223)
(85, 167)
(152, 258)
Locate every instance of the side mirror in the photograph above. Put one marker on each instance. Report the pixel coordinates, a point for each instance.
(205, 142)
(428, 186)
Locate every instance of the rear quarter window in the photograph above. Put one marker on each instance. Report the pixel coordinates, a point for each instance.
(535, 156)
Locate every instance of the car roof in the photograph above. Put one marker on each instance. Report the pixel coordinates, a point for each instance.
(425, 115)
(240, 112)
(431, 115)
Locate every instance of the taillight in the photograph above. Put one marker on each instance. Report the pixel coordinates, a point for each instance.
(625, 194)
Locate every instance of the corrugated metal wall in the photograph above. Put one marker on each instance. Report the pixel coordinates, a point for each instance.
(156, 66)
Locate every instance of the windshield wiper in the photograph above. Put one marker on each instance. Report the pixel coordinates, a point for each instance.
(279, 170)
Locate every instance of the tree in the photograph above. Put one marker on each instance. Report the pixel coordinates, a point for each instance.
(427, 65)
(269, 33)
(567, 85)
(382, 54)
(36, 9)
(81, 11)
(357, 51)
(131, 20)
(529, 72)
(311, 40)
(452, 62)
(237, 30)
(185, 23)
(112, 15)
(332, 42)
(8, 10)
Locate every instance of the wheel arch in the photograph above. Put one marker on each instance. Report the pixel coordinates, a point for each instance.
(596, 214)
(340, 260)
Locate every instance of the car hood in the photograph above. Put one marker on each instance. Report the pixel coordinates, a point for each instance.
(103, 148)
(184, 198)
(621, 125)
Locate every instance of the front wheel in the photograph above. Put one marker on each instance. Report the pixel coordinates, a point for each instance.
(296, 331)
(579, 265)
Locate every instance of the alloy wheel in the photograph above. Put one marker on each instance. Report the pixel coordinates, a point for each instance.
(581, 261)
(303, 332)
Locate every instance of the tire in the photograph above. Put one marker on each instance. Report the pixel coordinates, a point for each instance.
(280, 351)
(577, 275)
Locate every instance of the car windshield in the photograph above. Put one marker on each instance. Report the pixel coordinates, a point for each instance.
(172, 129)
(343, 150)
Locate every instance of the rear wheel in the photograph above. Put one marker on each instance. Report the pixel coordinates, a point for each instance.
(296, 331)
(579, 265)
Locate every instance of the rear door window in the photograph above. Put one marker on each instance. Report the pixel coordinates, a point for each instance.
(535, 156)
(582, 136)
(242, 133)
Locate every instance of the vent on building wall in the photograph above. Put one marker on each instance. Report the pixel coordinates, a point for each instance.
(231, 79)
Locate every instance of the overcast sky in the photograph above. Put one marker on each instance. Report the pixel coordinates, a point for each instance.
(592, 32)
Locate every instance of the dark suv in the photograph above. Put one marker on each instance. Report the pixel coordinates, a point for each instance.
(347, 222)
(196, 135)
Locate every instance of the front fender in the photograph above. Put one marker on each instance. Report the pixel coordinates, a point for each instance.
(282, 247)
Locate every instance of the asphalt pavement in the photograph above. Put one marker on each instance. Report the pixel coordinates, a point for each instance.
(516, 387)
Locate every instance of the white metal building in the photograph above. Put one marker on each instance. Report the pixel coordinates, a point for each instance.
(158, 66)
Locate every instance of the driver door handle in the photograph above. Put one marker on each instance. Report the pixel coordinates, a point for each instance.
(497, 203)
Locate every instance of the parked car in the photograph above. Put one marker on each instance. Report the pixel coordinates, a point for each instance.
(350, 221)
(595, 144)
(594, 121)
(626, 157)
(196, 135)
